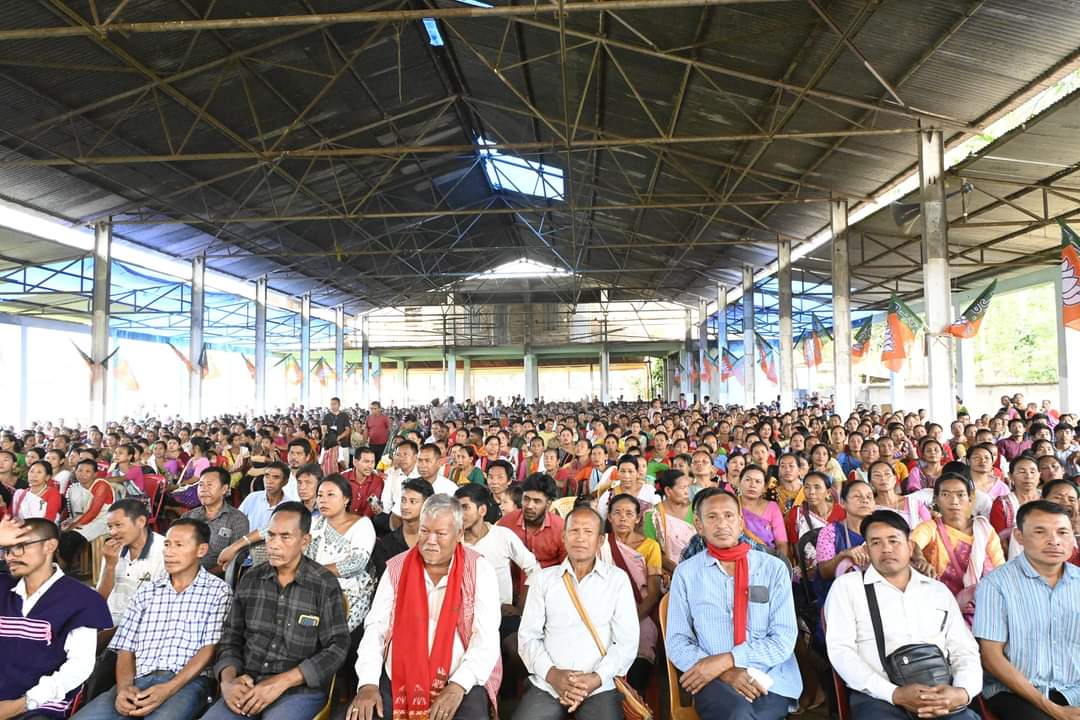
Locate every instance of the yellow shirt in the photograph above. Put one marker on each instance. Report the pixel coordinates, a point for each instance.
(925, 535)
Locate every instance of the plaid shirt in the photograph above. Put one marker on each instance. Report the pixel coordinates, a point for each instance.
(165, 629)
(272, 630)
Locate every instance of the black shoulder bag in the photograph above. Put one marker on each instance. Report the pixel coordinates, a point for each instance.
(918, 663)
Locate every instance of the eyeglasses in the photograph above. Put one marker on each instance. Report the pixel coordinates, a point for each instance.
(20, 548)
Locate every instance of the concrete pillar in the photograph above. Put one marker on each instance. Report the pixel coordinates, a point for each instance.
(305, 349)
(841, 293)
(451, 373)
(897, 391)
(720, 388)
(787, 339)
(532, 377)
(339, 351)
(196, 343)
(1068, 347)
(605, 374)
(749, 346)
(365, 362)
(99, 321)
(466, 378)
(260, 345)
(937, 283)
(965, 366)
(24, 386)
(703, 387)
(403, 374)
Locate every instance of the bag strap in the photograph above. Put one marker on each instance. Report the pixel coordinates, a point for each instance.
(569, 583)
(875, 620)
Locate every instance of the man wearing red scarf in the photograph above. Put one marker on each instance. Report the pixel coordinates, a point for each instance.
(731, 624)
(440, 659)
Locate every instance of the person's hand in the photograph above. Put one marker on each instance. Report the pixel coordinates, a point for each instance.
(704, 671)
(236, 693)
(917, 699)
(13, 532)
(920, 564)
(264, 694)
(227, 555)
(742, 683)
(367, 705)
(563, 682)
(111, 552)
(150, 699)
(1059, 712)
(857, 555)
(445, 704)
(586, 683)
(125, 700)
(12, 708)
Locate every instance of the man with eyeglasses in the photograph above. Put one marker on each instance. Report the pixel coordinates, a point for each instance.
(48, 621)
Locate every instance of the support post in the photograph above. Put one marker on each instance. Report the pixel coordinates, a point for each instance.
(532, 376)
(686, 386)
(403, 368)
(1068, 347)
(787, 339)
(720, 387)
(466, 378)
(605, 373)
(749, 347)
(260, 345)
(703, 388)
(305, 350)
(24, 386)
(841, 293)
(451, 373)
(339, 351)
(897, 391)
(195, 345)
(99, 321)
(965, 367)
(937, 283)
(365, 361)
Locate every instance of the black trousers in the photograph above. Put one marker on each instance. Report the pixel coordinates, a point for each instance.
(474, 706)
(538, 704)
(1012, 706)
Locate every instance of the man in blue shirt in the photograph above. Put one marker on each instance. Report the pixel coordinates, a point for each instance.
(1027, 621)
(735, 642)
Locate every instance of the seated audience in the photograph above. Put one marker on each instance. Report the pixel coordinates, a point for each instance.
(538, 528)
(226, 523)
(671, 521)
(166, 643)
(366, 485)
(743, 668)
(568, 671)
(431, 640)
(1026, 616)
(413, 495)
(48, 625)
(763, 522)
(285, 635)
(41, 498)
(88, 500)
(913, 609)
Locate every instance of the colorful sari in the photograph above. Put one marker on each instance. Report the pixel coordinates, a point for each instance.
(959, 559)
(672, 533)
(635, 564)
(765, 530)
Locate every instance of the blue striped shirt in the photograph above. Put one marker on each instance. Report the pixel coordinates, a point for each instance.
(1039, 625)
(699, 621)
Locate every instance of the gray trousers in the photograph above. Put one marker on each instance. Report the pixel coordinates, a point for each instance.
(538, 704)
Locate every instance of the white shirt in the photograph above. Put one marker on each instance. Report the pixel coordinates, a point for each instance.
(926, 612)
(552, 634)
(80, 647)
(468, 668)
(391, 494)
(132, 572)
(501, 546)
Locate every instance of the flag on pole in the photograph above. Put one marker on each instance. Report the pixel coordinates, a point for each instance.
(323, 372)
(729, 366)
(862, 340)
(183, 358)
(207, 370)
(294, 375)
(678, 373)
(707, 368)
(767, 359)
(124, 376)
(811, 347)
(1070, 277)
(967, 325)
(694, 373)
(250, 366)
(823, 333)
(901, 326)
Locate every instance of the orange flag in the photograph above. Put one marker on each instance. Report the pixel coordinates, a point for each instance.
(900, 328)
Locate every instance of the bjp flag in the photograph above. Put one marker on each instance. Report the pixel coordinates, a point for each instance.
(901, 326)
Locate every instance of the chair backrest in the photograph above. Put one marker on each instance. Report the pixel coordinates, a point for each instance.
(682, 704)
(843, 708)
(154, 487)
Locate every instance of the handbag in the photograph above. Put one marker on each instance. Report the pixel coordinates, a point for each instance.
(634, 707)
(917, 663)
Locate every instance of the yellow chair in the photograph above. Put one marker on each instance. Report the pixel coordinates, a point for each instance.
(324, 714)
(682, 704)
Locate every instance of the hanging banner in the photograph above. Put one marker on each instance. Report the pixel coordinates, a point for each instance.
(967, 325)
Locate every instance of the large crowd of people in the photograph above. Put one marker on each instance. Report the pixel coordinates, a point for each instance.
(430, 563)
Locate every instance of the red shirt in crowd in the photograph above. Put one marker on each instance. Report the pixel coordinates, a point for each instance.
(378, 429)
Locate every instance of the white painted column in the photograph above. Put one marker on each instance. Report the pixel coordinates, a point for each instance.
(841, 292)
(260, 345)
(787, 339)
(195, 344)
(720, 388)
(99, 321)
(965, 366)
(305, 349)
(898, 391)
(937, 283)
(749, 344)
(365, 363)
(605, 374)
(339, 351)
(532, 376)
(466, 378)
(703, 388)
(451, 373)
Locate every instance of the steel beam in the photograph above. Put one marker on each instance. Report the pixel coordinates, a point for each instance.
(195, 336)
(843, 397)
(787, 339)
(749, 346)
(937, 283)
(339, 351)
(260, 345)
(305, 350)
(99, 322)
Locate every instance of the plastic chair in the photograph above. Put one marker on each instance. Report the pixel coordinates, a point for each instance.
(154, 487)
(682, 703)
(843, 706)
(324, 714)
(984, 710)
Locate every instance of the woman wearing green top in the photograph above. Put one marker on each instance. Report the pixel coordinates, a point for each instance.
(463, 470)
(671, 522)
